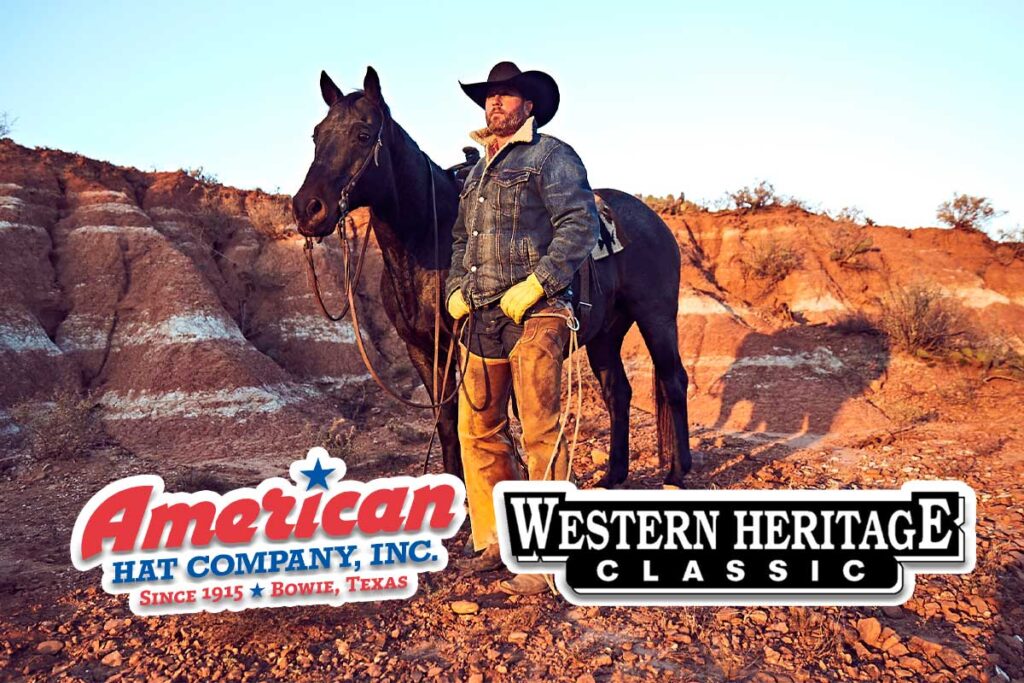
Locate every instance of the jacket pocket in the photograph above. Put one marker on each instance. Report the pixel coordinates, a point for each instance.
(468, 187)
(509, 187)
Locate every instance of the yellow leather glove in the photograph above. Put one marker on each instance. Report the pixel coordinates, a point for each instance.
(520, 297)
(457, 306)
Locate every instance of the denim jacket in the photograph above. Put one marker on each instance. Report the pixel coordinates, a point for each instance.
(529, 209)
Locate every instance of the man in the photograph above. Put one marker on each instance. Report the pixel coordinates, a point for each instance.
(527, 220)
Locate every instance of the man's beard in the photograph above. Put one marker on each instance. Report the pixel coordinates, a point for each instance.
(504, 125)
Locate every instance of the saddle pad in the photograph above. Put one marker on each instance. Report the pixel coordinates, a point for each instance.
(609, 235)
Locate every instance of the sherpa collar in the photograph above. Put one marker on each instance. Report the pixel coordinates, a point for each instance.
(484, 137)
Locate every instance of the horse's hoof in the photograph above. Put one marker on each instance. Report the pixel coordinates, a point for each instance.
(610, 481)
(674, 484)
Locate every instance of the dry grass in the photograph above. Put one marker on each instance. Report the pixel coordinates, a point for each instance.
(770, 259)
(850, 214)
(847, 244)
(817, 635)
(197, 479)
(337, 438)
(355, 400)
(68, 428)
(201, 175)
(857, 322)
(1012, 241)
(269, 216)
(923, 319)
(406, 432)
(213, 225)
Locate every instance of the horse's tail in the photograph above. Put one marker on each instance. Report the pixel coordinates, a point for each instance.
(668, 444)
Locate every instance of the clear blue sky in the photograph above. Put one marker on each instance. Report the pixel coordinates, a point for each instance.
(888, 106)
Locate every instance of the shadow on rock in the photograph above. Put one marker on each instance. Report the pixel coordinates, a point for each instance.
(794, 382)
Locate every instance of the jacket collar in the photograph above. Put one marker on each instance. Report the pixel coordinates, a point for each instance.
(526, 133)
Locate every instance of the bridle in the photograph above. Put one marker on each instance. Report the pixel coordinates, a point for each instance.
(351, 277)
(343, 195)
(339, 226)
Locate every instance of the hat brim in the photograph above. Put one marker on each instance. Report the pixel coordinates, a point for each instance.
(536, 86)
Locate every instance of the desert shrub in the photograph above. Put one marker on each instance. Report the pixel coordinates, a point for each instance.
(1014, 238)
(212, 225)
(847, 243)
(965, 212)
(792, 202)
(857, 322)
(850, 214)
(991, 349)
(66, 428)
(669, 204)
(770, 259)
(923, 318)
(760, 196)
(202, 175)
(6, 125)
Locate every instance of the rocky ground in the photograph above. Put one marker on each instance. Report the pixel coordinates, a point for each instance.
(182, 310)
(58, 624)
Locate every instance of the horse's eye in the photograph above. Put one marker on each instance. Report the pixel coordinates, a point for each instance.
(364, 137)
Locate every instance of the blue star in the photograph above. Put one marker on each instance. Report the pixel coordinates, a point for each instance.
(317, 476)
(257, 591)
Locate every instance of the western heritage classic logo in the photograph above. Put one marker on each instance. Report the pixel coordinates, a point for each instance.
(736, 547)
(313, 540)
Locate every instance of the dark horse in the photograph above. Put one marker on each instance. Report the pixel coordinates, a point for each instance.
(639, 284)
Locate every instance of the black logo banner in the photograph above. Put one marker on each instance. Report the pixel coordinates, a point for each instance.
(796, 547)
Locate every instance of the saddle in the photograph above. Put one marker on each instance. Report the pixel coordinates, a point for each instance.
(461, 170)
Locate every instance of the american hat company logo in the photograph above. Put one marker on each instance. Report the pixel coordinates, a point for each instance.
(736, 546)
(315, 539)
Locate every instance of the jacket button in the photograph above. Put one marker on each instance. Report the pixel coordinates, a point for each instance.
(472, 269)
(475, 233)
(481, 200)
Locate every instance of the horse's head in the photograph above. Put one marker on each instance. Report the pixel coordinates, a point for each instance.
(345, 158)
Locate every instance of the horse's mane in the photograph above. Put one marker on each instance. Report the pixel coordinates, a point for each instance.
(351, 98)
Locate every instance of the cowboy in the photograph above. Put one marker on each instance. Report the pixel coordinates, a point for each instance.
(527, 220)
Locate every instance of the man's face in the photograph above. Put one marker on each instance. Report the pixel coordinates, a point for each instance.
(506, 110)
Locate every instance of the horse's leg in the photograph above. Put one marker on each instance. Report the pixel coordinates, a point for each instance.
(421, 354)
(447, 425)
(604, 354)
(660, 335)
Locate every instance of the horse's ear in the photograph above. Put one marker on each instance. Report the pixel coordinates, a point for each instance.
(331, 92)
(371, 86)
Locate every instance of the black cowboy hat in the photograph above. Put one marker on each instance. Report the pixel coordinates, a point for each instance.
(536, 86)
